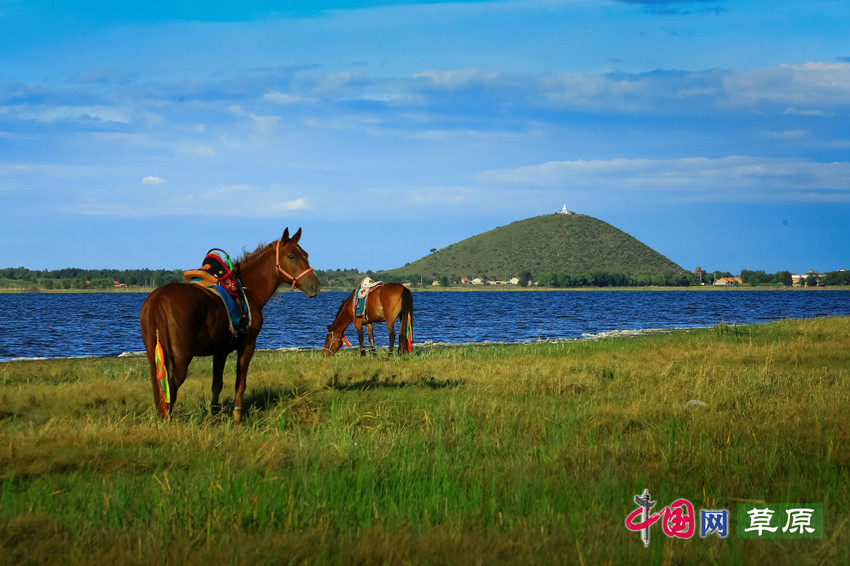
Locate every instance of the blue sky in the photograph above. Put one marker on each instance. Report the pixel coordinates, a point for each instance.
(715, 131)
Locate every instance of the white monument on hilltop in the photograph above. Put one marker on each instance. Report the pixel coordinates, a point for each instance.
(564, 210)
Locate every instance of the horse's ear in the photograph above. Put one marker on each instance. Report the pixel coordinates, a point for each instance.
(285, 238)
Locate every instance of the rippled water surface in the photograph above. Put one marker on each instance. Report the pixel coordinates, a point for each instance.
(107, 324)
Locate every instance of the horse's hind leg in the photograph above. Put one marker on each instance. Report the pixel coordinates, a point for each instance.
(371, 338)
(217, 383)
(176, 376)
(391, 331)
(358, 326)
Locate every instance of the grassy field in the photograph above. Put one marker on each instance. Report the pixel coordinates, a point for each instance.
(520, 454)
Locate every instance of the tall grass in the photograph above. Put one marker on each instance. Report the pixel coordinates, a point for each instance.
(523, 454)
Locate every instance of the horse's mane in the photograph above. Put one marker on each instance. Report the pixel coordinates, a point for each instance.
(344, 301)
(248, 256)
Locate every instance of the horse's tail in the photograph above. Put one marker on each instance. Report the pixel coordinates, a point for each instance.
(406, 330)
(162, 392)
(154, 336)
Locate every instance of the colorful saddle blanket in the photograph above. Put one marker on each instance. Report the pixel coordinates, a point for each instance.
(216, 275)
(239, 315)
(366, 286)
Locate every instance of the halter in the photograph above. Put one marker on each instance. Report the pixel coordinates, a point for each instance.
(333, 337)
(282, 271)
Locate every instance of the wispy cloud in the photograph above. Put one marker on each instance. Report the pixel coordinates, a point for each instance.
(243, 201)
(677, 7)
(727, 179)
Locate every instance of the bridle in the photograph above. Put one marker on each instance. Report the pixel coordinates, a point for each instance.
(282, 271)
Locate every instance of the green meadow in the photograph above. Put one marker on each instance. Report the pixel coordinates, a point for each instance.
(514, 454)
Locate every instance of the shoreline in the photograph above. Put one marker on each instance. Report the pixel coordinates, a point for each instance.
(586, 336)
(461, 289)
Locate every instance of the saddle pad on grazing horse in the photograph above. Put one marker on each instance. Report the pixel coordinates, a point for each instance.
(366, 286)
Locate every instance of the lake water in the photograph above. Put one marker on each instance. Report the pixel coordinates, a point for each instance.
(58, 325)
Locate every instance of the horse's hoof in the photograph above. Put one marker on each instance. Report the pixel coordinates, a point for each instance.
(215, 409)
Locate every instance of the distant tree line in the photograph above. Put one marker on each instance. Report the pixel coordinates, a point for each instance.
(560, 279)
(836, 278)
(756, 278)
(73, 278)
(606, 279)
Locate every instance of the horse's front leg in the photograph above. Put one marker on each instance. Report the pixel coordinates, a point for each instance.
(245, 352)
(371, 338)
(358, 326)
(217, 382)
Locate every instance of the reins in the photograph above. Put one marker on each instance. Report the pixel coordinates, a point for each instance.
(282, 271)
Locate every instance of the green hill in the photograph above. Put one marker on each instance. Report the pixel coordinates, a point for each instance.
(553, 243)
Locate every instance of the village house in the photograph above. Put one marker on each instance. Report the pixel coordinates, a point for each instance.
(799, 279)
(729, 281)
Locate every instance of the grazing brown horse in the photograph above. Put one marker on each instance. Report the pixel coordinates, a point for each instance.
(183, 320)
(385, 303)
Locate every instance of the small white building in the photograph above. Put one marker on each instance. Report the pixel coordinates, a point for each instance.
(564, 210)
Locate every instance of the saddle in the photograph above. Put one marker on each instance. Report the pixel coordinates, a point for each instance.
(216, 275)
(366, 287)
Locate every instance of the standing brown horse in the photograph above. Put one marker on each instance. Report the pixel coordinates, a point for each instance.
(385, 303)
(183, 320)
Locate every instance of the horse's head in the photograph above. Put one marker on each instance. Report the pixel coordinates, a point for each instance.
(333, 342)
(292, 265)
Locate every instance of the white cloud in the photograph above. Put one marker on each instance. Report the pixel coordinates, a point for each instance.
(296, 204)
(151, 180)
